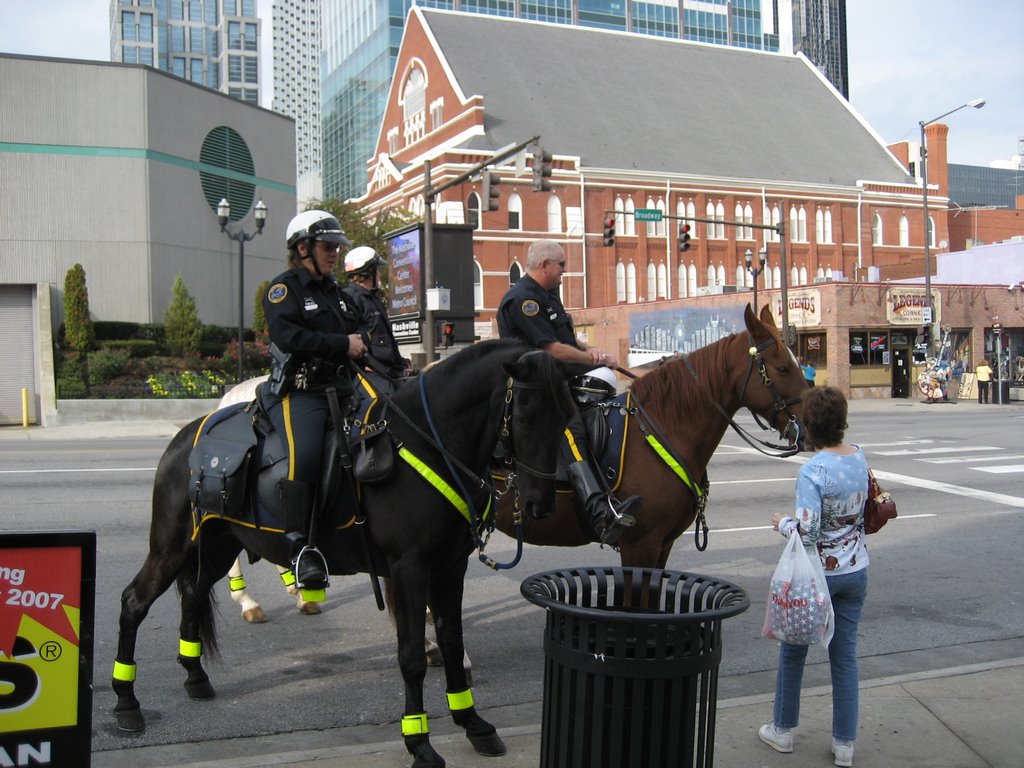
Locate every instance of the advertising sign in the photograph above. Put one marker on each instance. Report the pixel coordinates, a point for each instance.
(47, 603)
(906, 305)
(804, 308)
(405, 259)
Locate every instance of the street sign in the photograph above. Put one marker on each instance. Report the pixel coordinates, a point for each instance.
(926, 314)
(647, 214)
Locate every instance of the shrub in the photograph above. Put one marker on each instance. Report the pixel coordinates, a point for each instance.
(181, 321)
(259, 318)
(78, 328)
(187, 384)
(69, 382)
(137, 348)
(108, 330)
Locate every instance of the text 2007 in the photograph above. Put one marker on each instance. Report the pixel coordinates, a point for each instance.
(27, 598)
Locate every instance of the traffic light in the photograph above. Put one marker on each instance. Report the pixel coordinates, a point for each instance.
(684, 237)
(449, 334)
(609, 230)
(541, 170)
(490, 193)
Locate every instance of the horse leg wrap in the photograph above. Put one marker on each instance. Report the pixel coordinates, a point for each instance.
(481, 734)
(197, 685)
(415, 725)
(236, 583)
(128, 711)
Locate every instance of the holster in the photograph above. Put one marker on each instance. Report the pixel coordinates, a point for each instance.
(280, 372)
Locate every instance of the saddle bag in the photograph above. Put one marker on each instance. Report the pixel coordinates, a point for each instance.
(372, 451)
(219, 465)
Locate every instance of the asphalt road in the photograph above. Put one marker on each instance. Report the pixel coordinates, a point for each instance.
(943, 575)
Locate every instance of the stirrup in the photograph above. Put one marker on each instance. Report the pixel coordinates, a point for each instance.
(310, 568)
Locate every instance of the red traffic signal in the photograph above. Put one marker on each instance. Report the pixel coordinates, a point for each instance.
(609, 230)
(684, 237)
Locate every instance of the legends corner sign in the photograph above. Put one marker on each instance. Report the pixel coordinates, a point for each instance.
(47, 603)
(906, 305)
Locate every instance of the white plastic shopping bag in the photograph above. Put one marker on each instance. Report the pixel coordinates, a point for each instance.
(799, 609)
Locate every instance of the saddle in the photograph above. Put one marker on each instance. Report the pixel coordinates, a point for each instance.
(236, 462)
(604, 422)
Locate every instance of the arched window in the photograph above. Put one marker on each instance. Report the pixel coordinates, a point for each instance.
(748, 218)
(720, 226)
(710, 211)
(820, 273)
(659, 229)
(803, 275)
(876, 230)
(515, 212)
(631, 283)
(651, 229)
(802, 223)
(828, 272)
(554, 214)
(828, 225)
(514, 273)
(904, 231)
(630, 228)
(794, 276)
(681, 275)
(473, 210)
(620, 282)
(478, 285)
(794, 225)
(776, 278)
(742, 277)
(711, 274)
(652, 282)
(721, 275)
(414, 106)
(741, 232)
(776, 220)
(819, 226)
(691, 213)
(931, 232)
(620, 219)
(662, 282)
(691, 280)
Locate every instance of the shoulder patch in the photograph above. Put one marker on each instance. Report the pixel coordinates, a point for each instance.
(530, 308)
(277, 293)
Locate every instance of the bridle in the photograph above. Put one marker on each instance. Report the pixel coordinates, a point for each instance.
(779, 403)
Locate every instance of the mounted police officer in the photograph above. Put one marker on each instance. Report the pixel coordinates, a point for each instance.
(363, 294)
(313, 332)
(532, 312)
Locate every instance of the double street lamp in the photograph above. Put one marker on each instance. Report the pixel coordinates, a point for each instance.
(762, 257)
(241, 237)
(929, 309)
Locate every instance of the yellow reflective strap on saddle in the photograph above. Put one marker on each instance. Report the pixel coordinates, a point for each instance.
(673, 465)
(363, 381)
(125, 672)
(199, 431)
(236, 583)
(460, 700)
(572, 445)
(415, 725)
(190, 649)
(286, 405)
(288, 577)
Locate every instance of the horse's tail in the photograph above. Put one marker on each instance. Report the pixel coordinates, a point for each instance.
(202, 602)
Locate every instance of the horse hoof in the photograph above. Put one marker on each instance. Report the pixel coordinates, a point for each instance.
(254, 615)
(200, 691)
(488, 744)
(423, 752)
(130, 720)
(310, 609)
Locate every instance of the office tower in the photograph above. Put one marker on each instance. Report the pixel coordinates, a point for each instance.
(215, 43)
(361, 39)
(296, 46)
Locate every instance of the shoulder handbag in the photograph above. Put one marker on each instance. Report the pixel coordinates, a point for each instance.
(879, 508)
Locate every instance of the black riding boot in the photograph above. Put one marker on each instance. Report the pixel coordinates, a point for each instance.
(307, 562)
(605, 515)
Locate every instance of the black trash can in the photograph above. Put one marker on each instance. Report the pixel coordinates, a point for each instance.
(631, 660)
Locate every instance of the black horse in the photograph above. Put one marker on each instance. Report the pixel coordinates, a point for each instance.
(489, 394)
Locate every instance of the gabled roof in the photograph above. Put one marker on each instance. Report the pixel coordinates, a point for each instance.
(625, 101)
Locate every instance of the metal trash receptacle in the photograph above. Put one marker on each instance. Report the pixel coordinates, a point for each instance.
(631, 660)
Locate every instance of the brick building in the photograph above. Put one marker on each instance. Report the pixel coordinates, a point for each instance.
(745, 139)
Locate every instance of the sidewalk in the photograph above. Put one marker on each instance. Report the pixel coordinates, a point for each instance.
(959, 717)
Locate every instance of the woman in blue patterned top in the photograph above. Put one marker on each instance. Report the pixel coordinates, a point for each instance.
(830, 492)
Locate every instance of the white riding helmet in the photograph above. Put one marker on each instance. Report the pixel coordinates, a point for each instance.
(315, 225)
(361, 259)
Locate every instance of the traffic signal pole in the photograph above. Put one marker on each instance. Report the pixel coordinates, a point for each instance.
(430, 193)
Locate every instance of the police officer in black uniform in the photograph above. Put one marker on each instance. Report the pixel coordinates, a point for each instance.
(532, 312)
(363, 293)
(313, 331)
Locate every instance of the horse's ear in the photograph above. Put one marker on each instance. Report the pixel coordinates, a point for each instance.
(748, 318)
(767, 317)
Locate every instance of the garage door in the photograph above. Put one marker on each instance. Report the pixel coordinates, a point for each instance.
(17, 345)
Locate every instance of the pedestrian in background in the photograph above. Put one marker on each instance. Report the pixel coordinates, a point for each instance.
(984, 374)
(830, 492)
(809, 371)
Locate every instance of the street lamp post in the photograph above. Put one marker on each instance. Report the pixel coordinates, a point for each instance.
(762, 257)
(241, 237)
(929, 310)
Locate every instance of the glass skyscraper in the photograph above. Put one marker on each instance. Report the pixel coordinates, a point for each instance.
(215, 43)
(361, 40)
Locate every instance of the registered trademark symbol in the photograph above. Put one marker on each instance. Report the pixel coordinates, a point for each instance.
(50, 650)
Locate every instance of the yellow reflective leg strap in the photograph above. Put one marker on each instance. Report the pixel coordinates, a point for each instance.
(460, 700)
(288, 577)
(673, 465)
(190, 649)
(415, 725)
(572, 445)
(124, 672)
(236, 583)
(286, 404)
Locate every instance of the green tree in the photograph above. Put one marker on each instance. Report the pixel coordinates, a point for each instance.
(259, 319)
(181, 321)
(363, 229)
(78, 327)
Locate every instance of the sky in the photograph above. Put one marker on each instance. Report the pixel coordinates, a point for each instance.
(909, 61)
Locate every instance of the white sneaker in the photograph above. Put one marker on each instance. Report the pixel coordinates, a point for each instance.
(843, 753)
(779, 741)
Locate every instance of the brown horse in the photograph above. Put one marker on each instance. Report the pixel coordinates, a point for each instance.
(687, 403)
